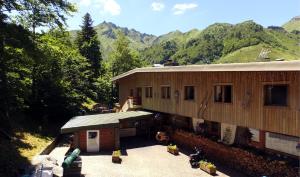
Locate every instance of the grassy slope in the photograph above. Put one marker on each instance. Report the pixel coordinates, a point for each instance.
(292, 25)
(291, 50)
(16, 154)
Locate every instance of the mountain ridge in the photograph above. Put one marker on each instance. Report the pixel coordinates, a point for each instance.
(210, 45)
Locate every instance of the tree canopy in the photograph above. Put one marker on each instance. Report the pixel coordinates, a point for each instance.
(123, 58)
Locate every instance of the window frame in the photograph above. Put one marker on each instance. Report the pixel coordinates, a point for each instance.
(165, 95)
(276, 84)
(223, 85)
(184, 92)
(148, 93)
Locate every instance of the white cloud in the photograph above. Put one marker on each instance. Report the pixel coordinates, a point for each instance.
(109, 6)
(85, 2)
(181, 8)
(157, 6)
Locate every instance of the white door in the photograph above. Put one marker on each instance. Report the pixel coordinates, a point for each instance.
(92, 144)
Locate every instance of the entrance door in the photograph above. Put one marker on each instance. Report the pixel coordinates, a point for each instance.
(92, 144)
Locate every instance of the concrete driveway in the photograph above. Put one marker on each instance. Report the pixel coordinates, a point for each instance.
(143, 159)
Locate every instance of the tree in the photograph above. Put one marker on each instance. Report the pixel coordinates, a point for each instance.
(123, 59)
(17, 49)
(63, 77)
(89, 45)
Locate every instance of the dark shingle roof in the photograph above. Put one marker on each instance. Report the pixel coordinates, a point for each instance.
(100, 120)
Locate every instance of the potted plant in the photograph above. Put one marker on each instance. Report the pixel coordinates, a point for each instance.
(173, 149)
(208, 167)
(116, 156)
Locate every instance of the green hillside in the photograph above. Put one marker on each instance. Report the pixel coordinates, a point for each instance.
(226, 43)
(293, 24)
(290, 50)
(218, 43)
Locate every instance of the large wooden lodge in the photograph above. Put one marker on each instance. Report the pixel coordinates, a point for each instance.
(263, 96)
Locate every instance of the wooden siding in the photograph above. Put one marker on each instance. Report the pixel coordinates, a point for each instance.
(247, 107)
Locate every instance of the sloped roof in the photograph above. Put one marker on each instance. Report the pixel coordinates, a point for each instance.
(101, 120)
(254, 66)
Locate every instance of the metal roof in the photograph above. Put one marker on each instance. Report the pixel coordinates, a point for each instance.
(254, 66)
(101, 120)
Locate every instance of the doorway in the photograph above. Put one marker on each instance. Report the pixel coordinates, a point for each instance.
(138, 96)
(92, 144)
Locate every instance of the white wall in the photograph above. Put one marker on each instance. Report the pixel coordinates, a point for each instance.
(232, 128)
(282, 143)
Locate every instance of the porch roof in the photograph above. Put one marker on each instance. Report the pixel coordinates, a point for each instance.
(101, 120)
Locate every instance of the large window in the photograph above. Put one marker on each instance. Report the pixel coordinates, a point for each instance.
(276, 95)
(165, 92)
(189, 92)
(148, 92)
(223, 93)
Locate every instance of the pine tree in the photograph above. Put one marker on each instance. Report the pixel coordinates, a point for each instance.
(89, 45)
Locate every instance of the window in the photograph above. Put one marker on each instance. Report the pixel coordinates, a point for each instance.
(189, 92)
(148, 92)
(223, 93)
(276, 95)
(92, 135)
(165, 92)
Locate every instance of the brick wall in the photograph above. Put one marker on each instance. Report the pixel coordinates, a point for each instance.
(82, 140)
(249, 163)
(107, 139)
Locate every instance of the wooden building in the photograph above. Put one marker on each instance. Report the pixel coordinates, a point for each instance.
(263, 96)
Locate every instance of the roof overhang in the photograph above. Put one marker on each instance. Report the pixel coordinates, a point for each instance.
(239, 67)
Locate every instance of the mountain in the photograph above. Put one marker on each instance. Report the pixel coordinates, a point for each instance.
(293, 24)
(107, 34)
(218, 43)
(226, 43)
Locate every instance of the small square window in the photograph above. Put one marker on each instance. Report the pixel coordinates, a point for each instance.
(148, 92)
(165, 92)
(92, 135)
(223, 93)
(276, 95)
(189, 92)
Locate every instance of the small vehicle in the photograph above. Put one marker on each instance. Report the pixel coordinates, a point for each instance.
(196, 157)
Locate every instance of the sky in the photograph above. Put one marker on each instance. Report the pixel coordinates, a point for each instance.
(162, 16)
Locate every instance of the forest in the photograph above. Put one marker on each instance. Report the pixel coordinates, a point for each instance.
(44, 75)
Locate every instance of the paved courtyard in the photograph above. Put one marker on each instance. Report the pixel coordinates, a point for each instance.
(143, 159)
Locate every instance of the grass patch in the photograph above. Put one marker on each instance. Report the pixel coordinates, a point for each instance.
(16, 154)
(36, 143)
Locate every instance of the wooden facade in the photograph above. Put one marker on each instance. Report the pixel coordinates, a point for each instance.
(246, 108)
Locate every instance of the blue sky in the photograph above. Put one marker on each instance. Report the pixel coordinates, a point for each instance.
(162, 16)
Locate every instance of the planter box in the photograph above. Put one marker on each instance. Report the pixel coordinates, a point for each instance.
(173, 150)
(116, 157)
(208, 167)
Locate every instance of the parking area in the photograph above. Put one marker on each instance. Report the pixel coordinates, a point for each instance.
(143, 159)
